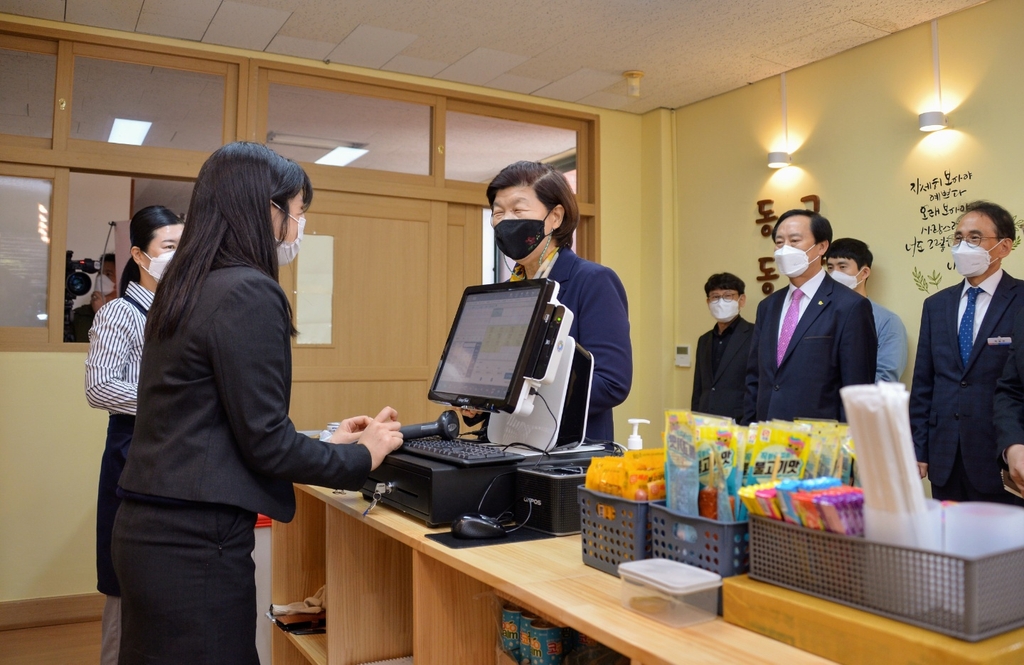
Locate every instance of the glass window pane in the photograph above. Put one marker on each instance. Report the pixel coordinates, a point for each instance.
(185, 109)
(478, 147)
(315, 290)
(27, 82)
(308, 125)
(24, 251)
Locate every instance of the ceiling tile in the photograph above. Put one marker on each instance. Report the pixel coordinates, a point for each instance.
(513, 83)
(481, 66)
(48, 9)
(370, 46)
(414, 66)
(114, 14)
(606, 100)
(182, 19)
(579, 84)
(300, 48)
(244, 26)
(823, 43)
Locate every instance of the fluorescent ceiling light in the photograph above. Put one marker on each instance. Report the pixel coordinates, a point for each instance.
(341, 156)
(129, 132)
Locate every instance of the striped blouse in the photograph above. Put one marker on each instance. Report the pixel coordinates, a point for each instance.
(115, 351)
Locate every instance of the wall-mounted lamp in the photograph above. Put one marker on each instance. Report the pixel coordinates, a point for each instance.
(781, 159)
(931, 121)
(633, 77)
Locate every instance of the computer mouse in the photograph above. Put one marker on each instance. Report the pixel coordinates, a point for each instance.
(474, 525)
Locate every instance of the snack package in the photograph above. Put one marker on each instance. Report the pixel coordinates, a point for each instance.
(682, 476)
(779, 452)
(639, 475)
(716, 456)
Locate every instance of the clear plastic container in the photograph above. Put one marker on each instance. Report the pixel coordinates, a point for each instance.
(671, 592)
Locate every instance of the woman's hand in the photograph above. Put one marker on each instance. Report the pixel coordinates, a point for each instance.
(381, 435)
(350, 429)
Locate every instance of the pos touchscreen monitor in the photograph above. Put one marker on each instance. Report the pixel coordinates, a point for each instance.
(494, 345)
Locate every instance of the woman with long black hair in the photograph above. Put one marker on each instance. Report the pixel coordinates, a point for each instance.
(111, 383)
(213, 442)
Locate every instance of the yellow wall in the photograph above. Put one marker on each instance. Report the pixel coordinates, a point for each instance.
(855, 142)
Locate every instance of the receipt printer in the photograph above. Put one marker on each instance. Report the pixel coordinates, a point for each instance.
(546, 496)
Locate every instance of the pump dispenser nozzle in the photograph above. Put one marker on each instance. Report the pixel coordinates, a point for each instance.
(635, 442)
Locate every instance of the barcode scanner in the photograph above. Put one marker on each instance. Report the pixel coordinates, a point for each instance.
(446, 426)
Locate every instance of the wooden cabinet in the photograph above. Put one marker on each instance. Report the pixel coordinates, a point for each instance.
(392, 592)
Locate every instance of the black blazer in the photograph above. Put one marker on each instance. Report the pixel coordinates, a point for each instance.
(212, 420)
(1009, 401)
(834, 345)
(951, 406)
(722, 394)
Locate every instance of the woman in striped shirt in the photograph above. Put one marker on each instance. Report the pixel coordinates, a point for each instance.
(111, 383)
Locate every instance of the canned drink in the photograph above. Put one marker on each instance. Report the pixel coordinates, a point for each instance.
(568, 640)
(526, 619)
(510, 618)
(586, 642)
(545, 644)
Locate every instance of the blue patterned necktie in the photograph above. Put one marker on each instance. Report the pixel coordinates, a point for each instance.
(966, 336)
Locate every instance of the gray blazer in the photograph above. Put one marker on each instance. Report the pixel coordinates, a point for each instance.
(212, 421)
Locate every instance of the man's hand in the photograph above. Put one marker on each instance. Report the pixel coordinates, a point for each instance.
(922, 468)
(1015, 460)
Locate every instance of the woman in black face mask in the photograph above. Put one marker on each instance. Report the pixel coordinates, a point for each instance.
(534, 215)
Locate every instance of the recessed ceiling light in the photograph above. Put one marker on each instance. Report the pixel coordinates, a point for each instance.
(129, 132)
(342, 156)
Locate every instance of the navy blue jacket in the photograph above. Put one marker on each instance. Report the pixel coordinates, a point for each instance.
(834, 345)
(951, 406)
(595, 296)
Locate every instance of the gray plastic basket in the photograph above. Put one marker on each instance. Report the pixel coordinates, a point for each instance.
(721, 547)
(966, 598)
(613, 530)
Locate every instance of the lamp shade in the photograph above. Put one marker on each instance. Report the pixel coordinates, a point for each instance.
(778, 160)
(931, 121)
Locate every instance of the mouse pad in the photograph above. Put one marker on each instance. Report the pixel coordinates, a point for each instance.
(517, 536)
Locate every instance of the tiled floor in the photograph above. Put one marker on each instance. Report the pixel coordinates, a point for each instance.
(70, 644)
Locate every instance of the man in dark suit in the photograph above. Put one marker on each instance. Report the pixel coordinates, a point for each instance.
(1009, 408)
(810, 339)
(718, 379)
(965, 338)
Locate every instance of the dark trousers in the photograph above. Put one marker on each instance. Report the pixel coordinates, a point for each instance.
(115, 452)
(188, 592)
(959, 488)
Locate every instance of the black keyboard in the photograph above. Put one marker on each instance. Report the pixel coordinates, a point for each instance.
(458, 452)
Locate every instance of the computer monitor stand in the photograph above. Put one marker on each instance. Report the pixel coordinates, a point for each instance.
(559, 413)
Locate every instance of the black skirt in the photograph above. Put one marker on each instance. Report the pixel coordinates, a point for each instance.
(119, 437)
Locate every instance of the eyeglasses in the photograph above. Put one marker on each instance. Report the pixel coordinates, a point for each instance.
(728, 297)
(974, 240)
(301, 221)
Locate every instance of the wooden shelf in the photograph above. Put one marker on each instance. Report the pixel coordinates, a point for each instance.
(313, 647)
(393, 591)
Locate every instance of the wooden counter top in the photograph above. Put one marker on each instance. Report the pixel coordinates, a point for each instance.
(549, 576)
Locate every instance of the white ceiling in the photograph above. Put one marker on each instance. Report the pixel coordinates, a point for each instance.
(570, 50)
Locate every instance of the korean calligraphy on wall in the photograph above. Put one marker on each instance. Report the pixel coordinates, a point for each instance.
(766, 219)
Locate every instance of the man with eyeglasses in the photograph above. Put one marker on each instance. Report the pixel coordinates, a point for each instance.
(966, 332)
(809, 339)
(718, 378)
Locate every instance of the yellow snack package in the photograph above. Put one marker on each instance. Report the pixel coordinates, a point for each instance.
(779, 452)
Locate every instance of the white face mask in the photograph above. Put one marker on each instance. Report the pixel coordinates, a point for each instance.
(792, 262)
(103, 284)
(849, 281)
(287, 251)
(157, 264)
(724, 310)
(971, 261)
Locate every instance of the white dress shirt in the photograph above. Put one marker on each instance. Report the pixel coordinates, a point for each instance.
(981, 303)
(115, 351)
(809, 289)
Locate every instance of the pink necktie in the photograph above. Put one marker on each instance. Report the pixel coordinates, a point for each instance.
(789, 325)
